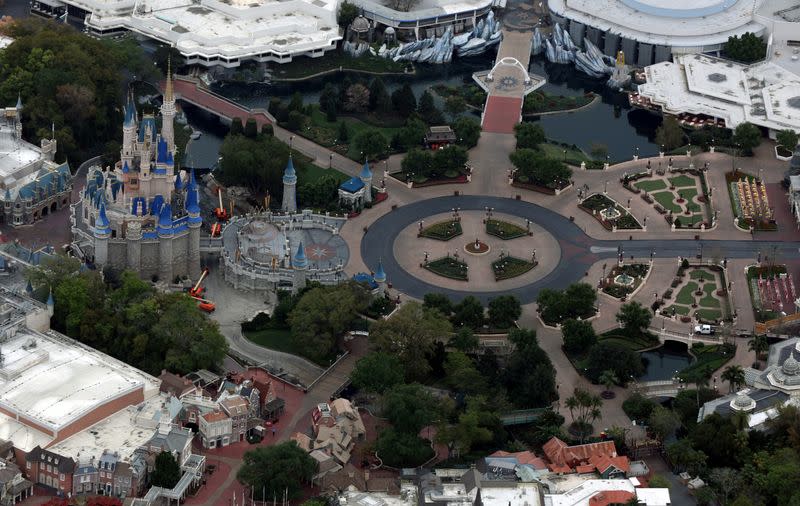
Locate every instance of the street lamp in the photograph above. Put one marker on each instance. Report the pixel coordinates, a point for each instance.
(565, 156)
(330, 160)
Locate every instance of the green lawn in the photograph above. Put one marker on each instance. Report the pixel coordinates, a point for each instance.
(574, 155)
(667, 201)
(510, 267)
(504, 230)
(701, 273)
(682, 181)
(709, 359)
(686, 295)
(678, 309)
(709, 300)
(448, 267)
(442, 231)
(303, 67)
(325, 132)
(708, 314)
(277, 338)
(651, 185)
(310, 173)
(616, 337)
(690, 220)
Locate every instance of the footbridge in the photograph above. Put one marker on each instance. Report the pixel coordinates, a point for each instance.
(689, 338)
(507, 83)
(193, 91)
(666, 388)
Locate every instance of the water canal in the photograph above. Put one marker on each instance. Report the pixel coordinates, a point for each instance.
(664, 362)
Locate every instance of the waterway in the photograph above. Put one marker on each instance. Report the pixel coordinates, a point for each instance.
(610, 122)
(665, 362)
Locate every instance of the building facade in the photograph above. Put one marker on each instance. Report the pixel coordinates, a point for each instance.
(141, 215)
(32, 184)
(216, 429)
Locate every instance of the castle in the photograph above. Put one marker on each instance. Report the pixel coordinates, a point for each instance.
(32, 185)
(142, 215)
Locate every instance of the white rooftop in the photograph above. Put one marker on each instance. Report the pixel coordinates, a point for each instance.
(122, 432)
(765, 94)
(580, 495)
(522, 494)
(424, 9)
(673, 23)
(25, 438)
(229, 29)
(54, 381)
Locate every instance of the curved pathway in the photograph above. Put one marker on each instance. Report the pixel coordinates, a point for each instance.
(578, 250)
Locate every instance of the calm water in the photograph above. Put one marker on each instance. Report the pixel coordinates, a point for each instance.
(665, 362)
(610, 122)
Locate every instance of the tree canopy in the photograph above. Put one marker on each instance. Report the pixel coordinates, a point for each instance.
(504, 310)
(634, 318)
(579, 335)
(69, 81)
(467, 131)
(377, 372)
(747, 136)
(167, 471)
(529, 135)
(529, 377)
(271, 470)
(132, 322)
(257, 163)
(748, 48)
(540, 169)
(577, 300)
(670, 134)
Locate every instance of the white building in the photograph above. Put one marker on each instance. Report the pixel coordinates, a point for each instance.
(651, 31)
(764, 94)
(219, 32)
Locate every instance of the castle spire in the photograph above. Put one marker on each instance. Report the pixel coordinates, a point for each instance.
(168, 111)
(169, 95)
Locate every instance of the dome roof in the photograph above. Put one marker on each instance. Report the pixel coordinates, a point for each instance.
(389, 31)
(790, 366)
(743, 402)
(360, 24)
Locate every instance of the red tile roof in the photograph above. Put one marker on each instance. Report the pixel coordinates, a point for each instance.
(526, 457)
(603, 463)
(559, 453)
(215, 416)
(584, 469)
(607, 497)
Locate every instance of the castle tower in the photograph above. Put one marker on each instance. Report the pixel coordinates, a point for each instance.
(168, 111)
(366, 177)
(195, 220)
(380, 277)
(18, 119)
(165, 235)
(102, 232)
(300, 265)
(51, 304)
(289, 188)
(133, 236)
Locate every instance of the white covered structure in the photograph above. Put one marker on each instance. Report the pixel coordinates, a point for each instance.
(219, 32)
(764, 94)
(651, 31)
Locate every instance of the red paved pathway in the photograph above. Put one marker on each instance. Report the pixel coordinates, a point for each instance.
(190, 92)
(501, 114)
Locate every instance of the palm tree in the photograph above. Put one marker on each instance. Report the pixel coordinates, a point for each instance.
(758, 345)
(733, 374)
(608, 379)
(588, 410)
(740, 420)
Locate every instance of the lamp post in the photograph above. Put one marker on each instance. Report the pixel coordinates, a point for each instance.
(565, 156)
(330, 161)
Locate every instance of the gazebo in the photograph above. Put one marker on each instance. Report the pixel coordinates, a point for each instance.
(351, 192)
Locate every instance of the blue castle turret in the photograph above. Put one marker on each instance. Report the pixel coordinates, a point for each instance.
(300, 264)
(289, 188)
(366, 178)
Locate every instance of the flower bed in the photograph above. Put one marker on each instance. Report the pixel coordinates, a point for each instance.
(598, 202)
(448, 267)
(636, 271)
(442, 231)
(510, 267)
(504, 230)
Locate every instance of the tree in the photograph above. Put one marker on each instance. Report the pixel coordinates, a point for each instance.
(608, 379)
(294, 123)
(465, 340)
(271, 470)
(399, 449)
(663, 422)
(455, 105)
(428, 111)
(578, 335)
(450, 159)
(296, 102)
(734, 375)
(409, 408)
(475, 426)
(748, 48)
(379, 99)
(251, 127)
(418, 161)
(404, 101)
(461, 374)
(669, 134)
(638, 407)
(634, 318)
(467, 130)
(577, 300)
(726, 482)
(758, 345)
(529, 135)
(237, 127)
(357, 98)
(625, 363)
(540, 169)
(787, 139)
(504, 311)
(584, 409)
(685, 458)
(468, 313)
(438, 301)
(377, 372)
(747, 136)
(372, 143)
(343, 133)
(322, 316)
(410, 334)
(411, 135)
(658, 481)
(167, 472)
(529, 376)
(257, 163)
(329, 101)
(717, 437)
(347, 13)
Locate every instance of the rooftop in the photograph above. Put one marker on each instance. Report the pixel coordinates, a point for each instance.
(765, 94)
(54, 381)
